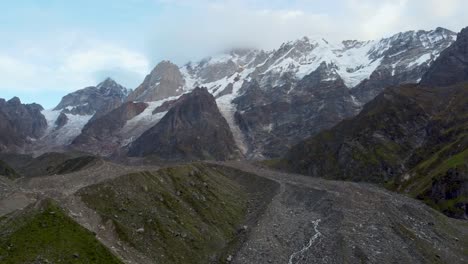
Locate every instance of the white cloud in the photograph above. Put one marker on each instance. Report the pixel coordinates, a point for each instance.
(190, 29)
(197, 28)
(215, 27)
(68, 68)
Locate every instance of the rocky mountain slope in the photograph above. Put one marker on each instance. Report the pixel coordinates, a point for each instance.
(192, 129)
(165, 80)
(411, 138)
(271, 100)
(75, 110)
(102, 135)
(452, 66)
(20, 124)
(92, 100)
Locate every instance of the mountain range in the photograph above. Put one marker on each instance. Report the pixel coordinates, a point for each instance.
(270, 99)
(314, 152)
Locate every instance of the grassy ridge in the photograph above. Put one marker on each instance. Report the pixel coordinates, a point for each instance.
(45, 234)
(184, 214)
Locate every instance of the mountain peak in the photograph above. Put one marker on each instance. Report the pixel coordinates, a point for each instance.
(14, 101)
(164, 81)
(193, 128)
(452, 65)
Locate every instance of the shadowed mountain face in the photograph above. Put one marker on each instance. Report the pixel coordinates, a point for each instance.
(452, 66)
(408, 138)
(411, 138)
(192, 129)
(19, 124)
(94, 100)
(101, 135)
(271, 99)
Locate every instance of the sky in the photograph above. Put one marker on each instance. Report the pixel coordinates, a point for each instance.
(49, 48)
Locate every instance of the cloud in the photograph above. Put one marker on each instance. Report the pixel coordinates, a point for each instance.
(70, 67)
(214, 27)
(188, 30)
(51, 50)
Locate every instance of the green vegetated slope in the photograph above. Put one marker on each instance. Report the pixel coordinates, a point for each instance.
(184, 214)
(7, 171)
(43, 233)
(412, 139)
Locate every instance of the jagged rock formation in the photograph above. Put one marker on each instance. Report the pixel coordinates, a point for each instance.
(407, 138)
(273, 122)
(270, 99)
(192, 129)
(452, 66)
(269, 124)
(409, 56)
(411, 138)
(19, 124)
(165, 80)
(94, 100)
(75, 110)
(101, 135)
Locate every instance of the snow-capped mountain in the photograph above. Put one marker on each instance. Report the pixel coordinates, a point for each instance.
(354, 61)
(270, 99)
(75, 110)
(99, 99)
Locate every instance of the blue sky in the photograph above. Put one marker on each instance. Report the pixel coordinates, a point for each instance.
(52, 47)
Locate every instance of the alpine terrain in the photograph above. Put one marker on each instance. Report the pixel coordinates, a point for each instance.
(317, 151)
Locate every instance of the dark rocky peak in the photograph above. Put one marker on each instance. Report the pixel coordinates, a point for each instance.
(451, 67)
(412, 42)
(164, 81)
(112, 88)
(99, 99)
(325, 73)
(192, 129)
(15, 101)
(102, 135)
(19, 123)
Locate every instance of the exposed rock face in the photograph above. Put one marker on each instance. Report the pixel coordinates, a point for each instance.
(406, 138)
(165, 80)
(19, 123)
(101, 135)
(61, 121)
(452, 66)
(277, 104)
(452, 188)
(192, 129)
(410, 55)
(275, 121)
(94, 100)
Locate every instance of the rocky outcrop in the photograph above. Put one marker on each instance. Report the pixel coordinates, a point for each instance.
(193, 129)
(101, 135)
(19, 123)
(452, 66)
(165, 80)
(61, 121)
(94, 100)
(448, 192)
(269, 114)
(405, 139)
(409, 56)
(275, 121)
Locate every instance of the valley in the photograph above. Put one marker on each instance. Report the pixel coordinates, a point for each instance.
(314, 152)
